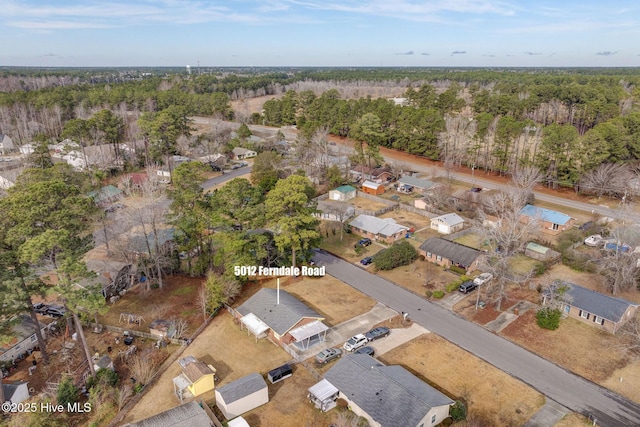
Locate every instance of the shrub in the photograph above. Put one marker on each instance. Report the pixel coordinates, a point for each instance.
(458, 411)
(457, 270)
(398, 254)
(428, 293)
(548, 318)
(67, 392)
(438, 294)
(103, 376)
(456, 283)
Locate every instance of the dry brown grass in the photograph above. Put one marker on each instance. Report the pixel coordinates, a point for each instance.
(409, 219)
(560, 345)
(625, 381)
(362, 203)
(419, 276)
(489, 392)
(573, 419)
(245, 356)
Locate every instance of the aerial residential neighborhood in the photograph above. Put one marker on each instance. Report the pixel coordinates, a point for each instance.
(247, 248)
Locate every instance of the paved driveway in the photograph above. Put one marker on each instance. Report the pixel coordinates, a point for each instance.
(570, 390)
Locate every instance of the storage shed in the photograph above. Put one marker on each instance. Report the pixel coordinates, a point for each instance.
(371, 187)
(242, 395)
(342, 193)
(539, 252)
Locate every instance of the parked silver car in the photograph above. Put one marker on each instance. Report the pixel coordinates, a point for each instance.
(355, 342)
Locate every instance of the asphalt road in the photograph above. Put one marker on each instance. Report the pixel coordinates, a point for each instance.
(228, 175)
(571, 391)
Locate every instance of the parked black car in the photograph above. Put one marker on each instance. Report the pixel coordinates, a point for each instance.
(365, 350)
(467, 287)
(40, 308)
(366, 261)
(364, 242)
(56, 311)
(127, 338)
(376, 333)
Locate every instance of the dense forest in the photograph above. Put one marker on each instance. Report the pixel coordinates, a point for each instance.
(567, 122)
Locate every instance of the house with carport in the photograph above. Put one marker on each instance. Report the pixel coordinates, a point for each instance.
(447, 253)
(241, 153)
(242, 395)
(548, 221)
(378, 229)
(281, 317)
(387, 396)
(594, 308)
(448, 223)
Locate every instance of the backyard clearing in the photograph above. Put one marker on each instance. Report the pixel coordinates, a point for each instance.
(419, 276)
(409, 219)
(348, 249)
(366, 204)
(472, 240)
(491, 395)
(222, 344)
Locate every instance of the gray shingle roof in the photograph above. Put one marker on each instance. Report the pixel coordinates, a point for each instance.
(460, 254)
(391, 395)
(601, 305)
(190, 414)
(280, 317)
(375, 225)
(424, 184)
(450, 219)
(243, 387)
(10, 389)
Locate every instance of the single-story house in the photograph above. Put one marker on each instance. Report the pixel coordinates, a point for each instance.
(15, 392)
(387, 396)
(551, 222)
(448, 223)
(378, 175)
(105, 195)
(384, 229)
(114, 276)
(23, 339)
(343, 193)
(447, 253)
(371, 187)
(218, 160)
(242, 395)
(240, 153)
(196, 378)
(100, 156)
(190, 414)
(419, 184)
(604, 311)
(141, 241)
(539, 252)
(27, 149)
(6, 144)
(282, 318)
(331, 210)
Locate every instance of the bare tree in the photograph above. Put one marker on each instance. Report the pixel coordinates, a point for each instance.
(608, 179)
(619, 263)
(204, 295)
(142, 368)
(121, 395)
(180, 326)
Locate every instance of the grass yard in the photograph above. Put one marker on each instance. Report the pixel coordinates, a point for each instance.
(231, 362)
(472, 240)
(492, 396)
(558, 346)
(419, 276)
(521, 264)
(370, 205)
(345, 248)
(409, 219)
(330, 297)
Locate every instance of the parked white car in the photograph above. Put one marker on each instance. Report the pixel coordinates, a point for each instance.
(483, 278)
(355, 342)
(593, 240)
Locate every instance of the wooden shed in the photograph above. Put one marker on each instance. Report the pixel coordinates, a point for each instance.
(371, 187)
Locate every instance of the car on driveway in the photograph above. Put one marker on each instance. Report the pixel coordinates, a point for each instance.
(467, 287)
(355, 342)
(328, 355)
(40, 308)
(365, 350)
(364, 242)
(56, 311)
(375, 333)
(483, 278)
(366, 261)
(593, 240)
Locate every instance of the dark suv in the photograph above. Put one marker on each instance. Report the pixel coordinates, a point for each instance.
(467, 287)
(364, 242)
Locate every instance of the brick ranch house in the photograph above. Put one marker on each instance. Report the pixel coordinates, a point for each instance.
(550, 222)
(600, 310)
(446, 253)
(378, 229)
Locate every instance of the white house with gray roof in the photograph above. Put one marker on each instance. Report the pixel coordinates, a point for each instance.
(448, 223)
(384, 229)
(242, 395)
(387, 396)
(282, 318)
(419, 184)
(600, 310)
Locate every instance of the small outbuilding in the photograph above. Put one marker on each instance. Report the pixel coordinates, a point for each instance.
(323, 395)
(371, 187)
(190, 414)
(16, 392)
(343, 193)
(447, 224)
(242, 395)
(539, 252)
(197, 378)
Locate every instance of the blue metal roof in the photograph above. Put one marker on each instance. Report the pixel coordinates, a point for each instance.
(545, 215)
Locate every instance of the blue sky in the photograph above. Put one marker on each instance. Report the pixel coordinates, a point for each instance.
(320, 33)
